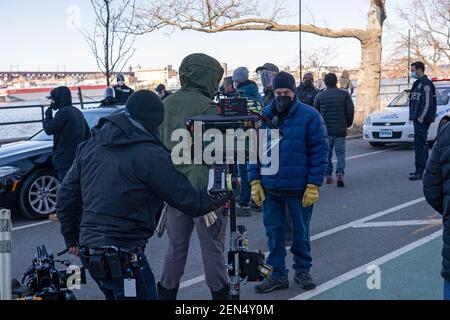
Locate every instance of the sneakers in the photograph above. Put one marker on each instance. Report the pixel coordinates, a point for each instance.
(415, 177)
(243, 211)
(305, 280)
(329, 180)
(53, 217)
(271, 284)
(340, 181)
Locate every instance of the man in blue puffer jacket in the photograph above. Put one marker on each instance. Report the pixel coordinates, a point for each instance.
(303, 162)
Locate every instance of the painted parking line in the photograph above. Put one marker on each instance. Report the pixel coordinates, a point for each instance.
(349, 225)
(363, 269)
(435, 222)
(31, 225)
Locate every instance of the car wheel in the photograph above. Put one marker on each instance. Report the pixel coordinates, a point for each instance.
(377, 144)
(38, 194)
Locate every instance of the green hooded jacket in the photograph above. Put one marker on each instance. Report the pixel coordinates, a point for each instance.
(200, 76)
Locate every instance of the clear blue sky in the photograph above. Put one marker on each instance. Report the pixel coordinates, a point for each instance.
(35, 34)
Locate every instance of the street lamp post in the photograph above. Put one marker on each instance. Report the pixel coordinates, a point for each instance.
(300, 38)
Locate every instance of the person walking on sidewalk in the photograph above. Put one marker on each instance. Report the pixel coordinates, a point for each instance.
(337, 108)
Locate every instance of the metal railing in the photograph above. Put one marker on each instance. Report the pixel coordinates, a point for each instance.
(38, 106)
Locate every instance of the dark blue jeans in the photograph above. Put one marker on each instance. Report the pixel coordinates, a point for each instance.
(246, 188)
(421, 146)
(446, 290)
(145, 284)
(275, 224)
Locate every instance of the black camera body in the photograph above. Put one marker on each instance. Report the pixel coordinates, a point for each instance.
(43, 281)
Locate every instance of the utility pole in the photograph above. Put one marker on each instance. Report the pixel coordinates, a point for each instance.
(409, 56)
(300, 38)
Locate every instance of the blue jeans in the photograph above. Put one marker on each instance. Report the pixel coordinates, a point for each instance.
(246, 188)
(446, 290)
(145, 284)
(420, 145)
(338, 144)
(275, 224)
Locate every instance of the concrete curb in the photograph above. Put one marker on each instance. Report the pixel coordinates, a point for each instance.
(356, 136)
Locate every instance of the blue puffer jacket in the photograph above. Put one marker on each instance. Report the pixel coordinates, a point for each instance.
(303, 151)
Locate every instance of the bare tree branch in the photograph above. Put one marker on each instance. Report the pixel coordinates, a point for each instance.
(112, 40)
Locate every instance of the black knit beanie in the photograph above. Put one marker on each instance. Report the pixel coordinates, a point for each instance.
(146, 108)
(284, 80)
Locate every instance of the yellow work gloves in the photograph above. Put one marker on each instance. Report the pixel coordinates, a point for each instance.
(258, 195)
(311, 195)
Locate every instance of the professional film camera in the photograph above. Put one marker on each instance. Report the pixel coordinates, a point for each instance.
(233, 112)
(43, 281)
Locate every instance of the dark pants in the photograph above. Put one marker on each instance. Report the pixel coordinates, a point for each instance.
(62, 173)
(145, 284)
(246, 188)
(275, 224)
(446, 290)
(421, 146)
(212, 244)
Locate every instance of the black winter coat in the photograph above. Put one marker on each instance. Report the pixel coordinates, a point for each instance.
(68, 127)
(114, 193)
(436, 187)
(307, 94)
(122, 93)
(423, 101)
(337, 109)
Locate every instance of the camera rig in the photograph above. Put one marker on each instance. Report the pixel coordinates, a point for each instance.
(43, 281)
(234, 112)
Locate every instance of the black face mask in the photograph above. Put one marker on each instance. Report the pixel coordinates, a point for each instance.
(308, 83)
(284, 103)
(53, 105)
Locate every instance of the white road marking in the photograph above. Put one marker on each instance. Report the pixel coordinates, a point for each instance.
(363, 269)
(201, 278)
(398, 223)
(31, 225)
(371, 153)
(368, 218)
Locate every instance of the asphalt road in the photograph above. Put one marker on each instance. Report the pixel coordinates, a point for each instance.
(346, 230)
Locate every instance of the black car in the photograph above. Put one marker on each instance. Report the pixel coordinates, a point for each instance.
(32, 188)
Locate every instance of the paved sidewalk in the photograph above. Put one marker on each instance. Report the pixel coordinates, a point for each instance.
(412, 276)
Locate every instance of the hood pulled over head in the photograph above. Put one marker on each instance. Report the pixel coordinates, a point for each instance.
(201, 72)
(61, 97)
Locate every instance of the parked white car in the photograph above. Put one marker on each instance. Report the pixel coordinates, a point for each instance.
(392, 125)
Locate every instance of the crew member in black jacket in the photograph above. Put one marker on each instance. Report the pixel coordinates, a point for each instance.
(121, 91)
(436, 187)
(68, 127)
(113, 195)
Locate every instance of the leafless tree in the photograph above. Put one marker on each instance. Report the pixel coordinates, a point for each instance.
(211, 16)
(321, 57)
(429, 22)
(112, 40)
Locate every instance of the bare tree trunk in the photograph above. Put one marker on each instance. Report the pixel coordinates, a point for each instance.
(368, 97)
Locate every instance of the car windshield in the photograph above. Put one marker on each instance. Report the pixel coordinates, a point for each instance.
(402, 100)
(91, 117)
